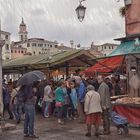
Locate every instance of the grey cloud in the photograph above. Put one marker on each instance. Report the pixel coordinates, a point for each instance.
(56, 20)
(37, 12)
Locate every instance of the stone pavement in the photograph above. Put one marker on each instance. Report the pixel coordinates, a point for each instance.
(48, 129)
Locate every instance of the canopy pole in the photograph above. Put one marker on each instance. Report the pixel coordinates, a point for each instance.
(67, 69)
(2, 42)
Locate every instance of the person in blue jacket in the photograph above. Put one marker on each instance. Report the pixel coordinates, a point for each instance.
(81, 90)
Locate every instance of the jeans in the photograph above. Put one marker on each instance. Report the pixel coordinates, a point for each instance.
(65, 111)
(60, 112)
(46, 111)
(106, 120)
(29, 119)
(17, 110)
(7, 107)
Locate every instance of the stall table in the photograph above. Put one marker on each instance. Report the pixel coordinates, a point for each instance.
(130, 111)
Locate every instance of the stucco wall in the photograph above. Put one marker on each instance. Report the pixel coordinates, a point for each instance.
(133, 18)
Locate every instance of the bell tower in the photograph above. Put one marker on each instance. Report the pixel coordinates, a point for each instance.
(22, 31)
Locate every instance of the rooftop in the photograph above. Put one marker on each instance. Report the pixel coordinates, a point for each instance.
(62, 47)
(109, 44)
(128, 37)
(40, 39)
(4, 32)
(33, 40)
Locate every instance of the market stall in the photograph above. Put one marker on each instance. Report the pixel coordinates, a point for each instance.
(106, 65)
(128, 107)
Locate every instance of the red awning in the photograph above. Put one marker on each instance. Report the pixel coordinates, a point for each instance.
(106, 65)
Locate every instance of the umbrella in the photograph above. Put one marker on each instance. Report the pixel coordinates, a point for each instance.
(31, 77)
(39, 73)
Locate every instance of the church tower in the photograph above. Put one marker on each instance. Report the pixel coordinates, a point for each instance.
(22, 31)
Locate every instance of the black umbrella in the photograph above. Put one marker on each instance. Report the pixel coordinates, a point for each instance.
(31, 77)
(39, 73)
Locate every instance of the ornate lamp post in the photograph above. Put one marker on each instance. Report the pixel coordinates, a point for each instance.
(2, 42)
(80, 11)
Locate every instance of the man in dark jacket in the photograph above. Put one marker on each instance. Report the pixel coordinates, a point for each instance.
(105, 103)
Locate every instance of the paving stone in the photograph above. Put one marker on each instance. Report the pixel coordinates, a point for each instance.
(8, 126)
(49, 129)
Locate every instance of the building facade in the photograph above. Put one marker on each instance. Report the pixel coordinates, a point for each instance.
(31, 46)
(104, 49)
(6, 50)
(17, 50)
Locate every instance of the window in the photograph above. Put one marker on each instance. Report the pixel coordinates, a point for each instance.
(11, 51)
(40, 45)
(45, 45)
(19, 51)
(50, 46)
(21, 37)
(34, 53)
(55, 46)
(34, 44)
(6, 37)
(102, 47)
(105, 47)
(109, 47)
(112, 47)
(39, 52)
(28, 44)
(7, 47)
(15, 51)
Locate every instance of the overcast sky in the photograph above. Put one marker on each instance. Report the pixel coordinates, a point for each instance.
(57, 20)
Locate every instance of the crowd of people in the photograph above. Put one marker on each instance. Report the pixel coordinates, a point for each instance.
(72, 98)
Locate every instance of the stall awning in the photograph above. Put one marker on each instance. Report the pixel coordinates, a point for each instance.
(106, 65)
(72, 59)
(126, 48)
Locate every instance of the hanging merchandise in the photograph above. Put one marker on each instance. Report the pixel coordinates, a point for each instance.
(134, 85)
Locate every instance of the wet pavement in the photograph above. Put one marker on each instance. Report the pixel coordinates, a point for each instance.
(48, 129)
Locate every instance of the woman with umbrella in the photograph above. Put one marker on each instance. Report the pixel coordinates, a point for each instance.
(26, 81)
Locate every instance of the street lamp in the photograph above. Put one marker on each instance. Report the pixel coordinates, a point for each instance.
(80, 10)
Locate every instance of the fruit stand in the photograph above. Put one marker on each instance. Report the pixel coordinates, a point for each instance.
(128, 107)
